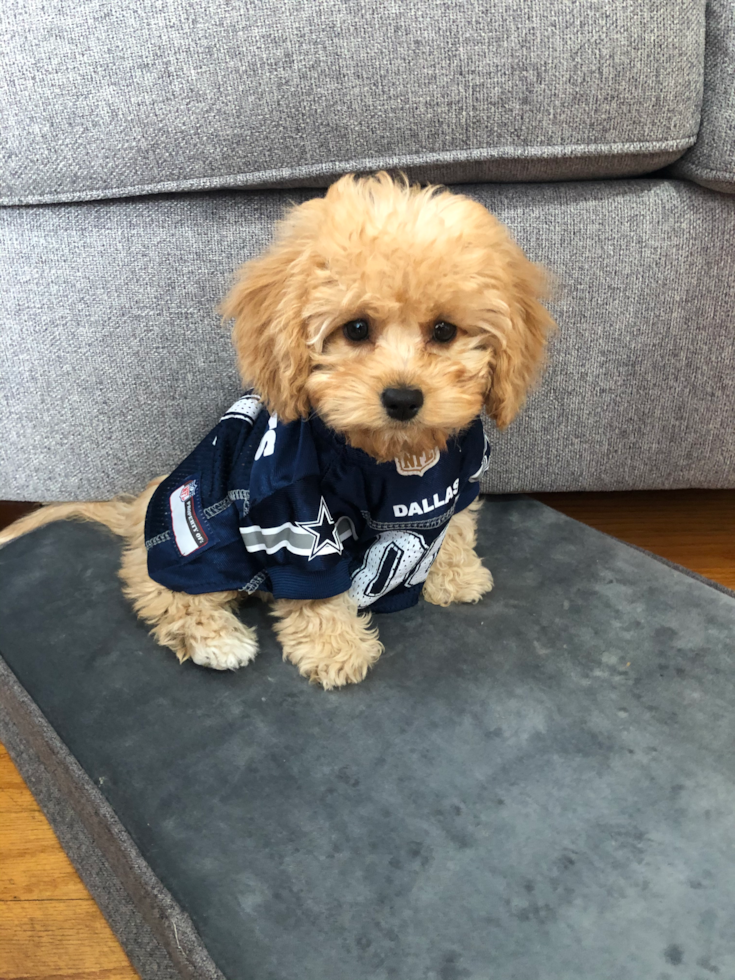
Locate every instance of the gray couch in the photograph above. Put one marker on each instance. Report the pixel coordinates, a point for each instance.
(147, 150)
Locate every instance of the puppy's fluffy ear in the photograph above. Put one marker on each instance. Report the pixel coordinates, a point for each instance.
(267, 307)
(521, 347)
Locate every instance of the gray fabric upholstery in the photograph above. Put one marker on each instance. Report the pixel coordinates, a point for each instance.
(101, 99)
(113, 363)
(539, 786)
(711, 161)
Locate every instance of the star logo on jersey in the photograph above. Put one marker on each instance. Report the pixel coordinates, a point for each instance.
(324, 531)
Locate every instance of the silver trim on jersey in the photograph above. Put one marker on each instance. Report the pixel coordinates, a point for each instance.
(159, 539)
(290, 536)
(427, 525)
(217, 508)
(255, 582)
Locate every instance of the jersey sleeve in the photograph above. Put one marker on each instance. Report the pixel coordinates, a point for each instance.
(299, 541)
(192, 533)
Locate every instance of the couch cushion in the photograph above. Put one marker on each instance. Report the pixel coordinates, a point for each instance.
(103, 99)
(113, 364)
(711, 161)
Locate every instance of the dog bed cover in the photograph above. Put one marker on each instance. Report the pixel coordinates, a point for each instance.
(290, 508)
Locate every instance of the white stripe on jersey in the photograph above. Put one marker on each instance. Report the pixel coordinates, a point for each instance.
(247, 408)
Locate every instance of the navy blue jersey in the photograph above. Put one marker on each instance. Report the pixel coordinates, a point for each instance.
(293, 510)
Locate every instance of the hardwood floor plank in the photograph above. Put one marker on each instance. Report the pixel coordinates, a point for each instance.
(33, 866)
(694, 528)
(15, 797)
(11, 510)
(59, 940)
(50, 928)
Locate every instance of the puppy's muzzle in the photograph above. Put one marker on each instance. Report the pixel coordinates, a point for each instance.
(402, 404)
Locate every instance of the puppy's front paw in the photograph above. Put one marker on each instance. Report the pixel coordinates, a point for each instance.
(446, 584)
(333, 666)
(457, 574)
(327, 640)
(226, 649)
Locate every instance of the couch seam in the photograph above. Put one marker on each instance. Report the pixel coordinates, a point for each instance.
(484, 154)
(698, 168)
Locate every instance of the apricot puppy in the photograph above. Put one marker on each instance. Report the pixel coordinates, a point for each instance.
(369, 337)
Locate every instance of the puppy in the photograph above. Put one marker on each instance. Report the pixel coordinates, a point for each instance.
(370, 335)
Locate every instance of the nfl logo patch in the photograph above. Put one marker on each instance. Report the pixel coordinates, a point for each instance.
(412, 465)
(189, 534)
(188, 490)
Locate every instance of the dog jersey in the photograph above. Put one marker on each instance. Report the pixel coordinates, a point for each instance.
(291, 509)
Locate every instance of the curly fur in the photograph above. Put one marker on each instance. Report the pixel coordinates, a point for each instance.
(458, 574)
(402, 258)
(405, 257)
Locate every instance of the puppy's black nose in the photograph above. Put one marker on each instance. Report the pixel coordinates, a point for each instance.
(402, 403)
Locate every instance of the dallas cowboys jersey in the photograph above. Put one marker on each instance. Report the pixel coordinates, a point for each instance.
(293, 510)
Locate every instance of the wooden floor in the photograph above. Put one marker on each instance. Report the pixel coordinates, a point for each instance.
(50, 929)
(694, 528)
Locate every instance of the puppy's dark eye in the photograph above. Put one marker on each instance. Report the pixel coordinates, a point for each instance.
(356, 330)
(444, 332)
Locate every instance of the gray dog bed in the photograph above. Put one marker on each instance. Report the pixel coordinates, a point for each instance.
(539, 786)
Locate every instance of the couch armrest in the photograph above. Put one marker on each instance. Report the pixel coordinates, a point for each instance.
(711, 161)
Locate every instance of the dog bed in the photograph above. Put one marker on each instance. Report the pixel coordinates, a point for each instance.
(538, 786)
